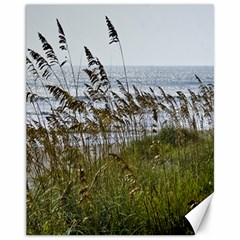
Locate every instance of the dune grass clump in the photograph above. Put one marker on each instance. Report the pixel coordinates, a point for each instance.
(114, 162)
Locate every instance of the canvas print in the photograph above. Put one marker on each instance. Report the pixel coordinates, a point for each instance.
(119, 118)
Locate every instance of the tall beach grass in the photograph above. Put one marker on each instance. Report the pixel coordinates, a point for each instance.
(125, 162)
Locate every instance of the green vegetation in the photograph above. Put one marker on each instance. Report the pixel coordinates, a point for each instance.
(117, 162)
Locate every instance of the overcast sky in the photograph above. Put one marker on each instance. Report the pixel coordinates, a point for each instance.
(150, 34)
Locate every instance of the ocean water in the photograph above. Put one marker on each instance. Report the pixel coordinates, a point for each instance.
(170, 78)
